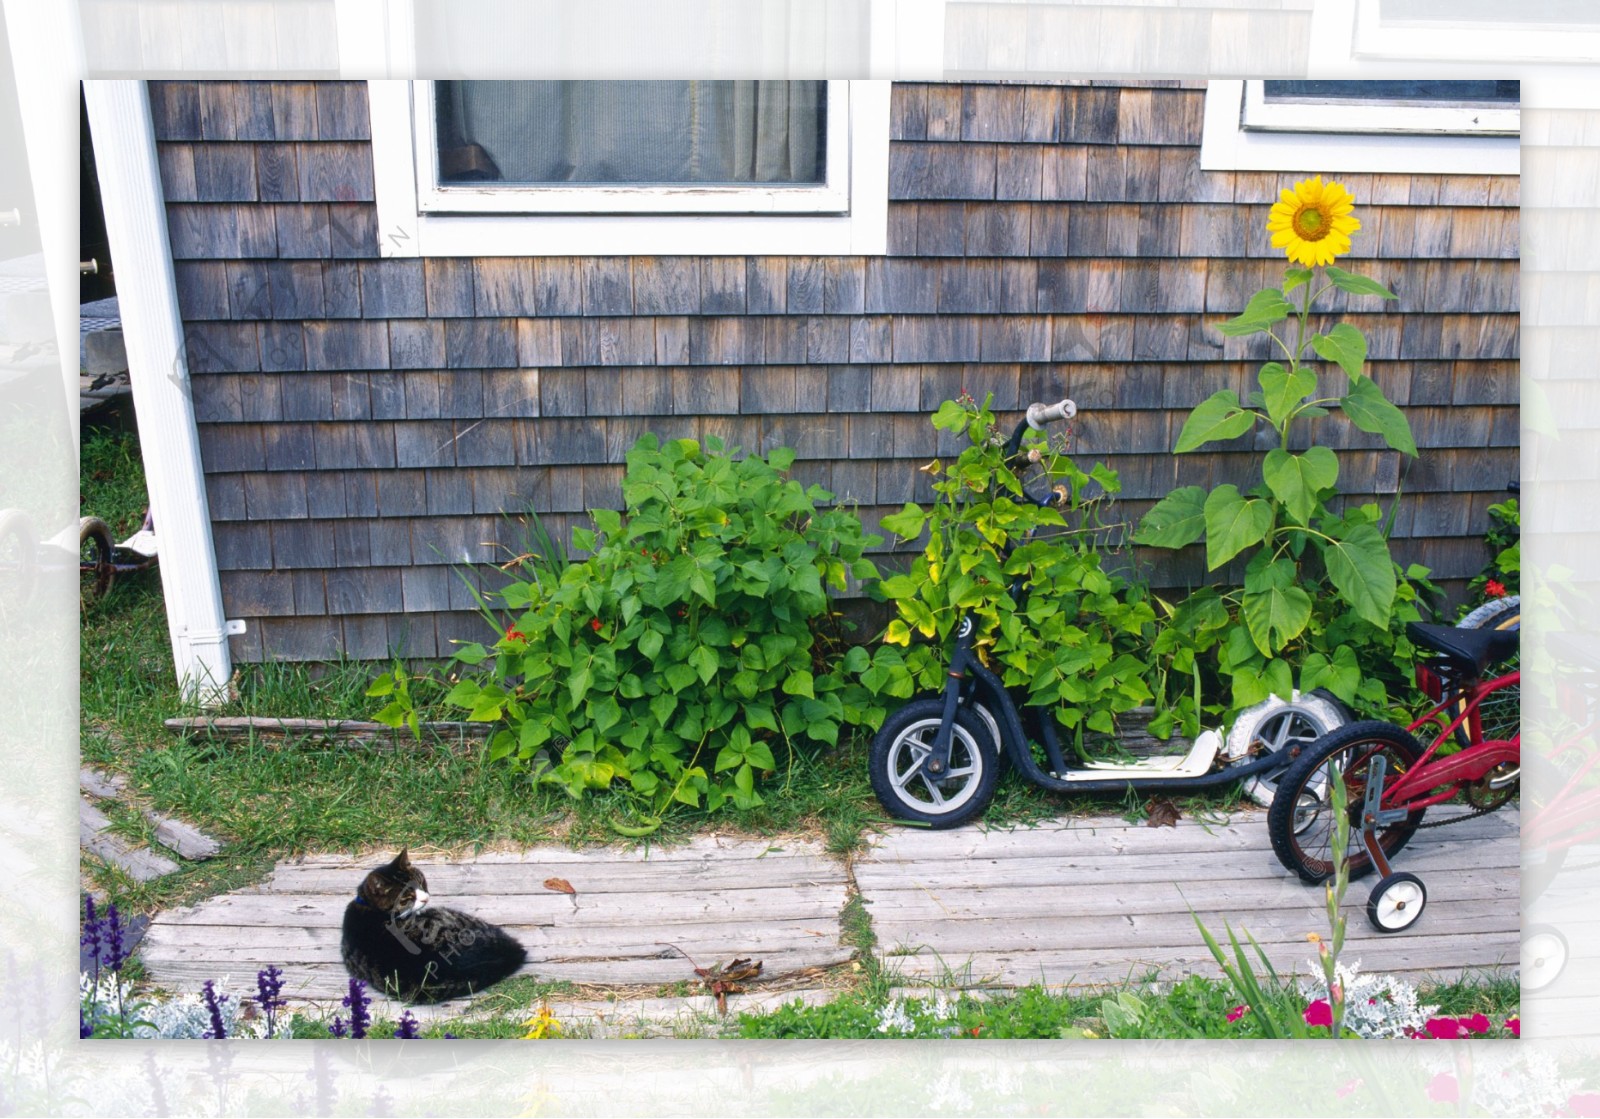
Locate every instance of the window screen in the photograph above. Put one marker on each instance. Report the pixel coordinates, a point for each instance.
(638, 133)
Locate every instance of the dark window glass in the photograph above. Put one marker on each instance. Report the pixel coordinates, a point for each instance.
(1497, 93)
(603, 133)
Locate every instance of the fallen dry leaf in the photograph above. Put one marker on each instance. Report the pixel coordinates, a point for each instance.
(562, 886)
(1161, 814)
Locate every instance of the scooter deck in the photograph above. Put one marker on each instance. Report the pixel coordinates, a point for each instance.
(1196, 763)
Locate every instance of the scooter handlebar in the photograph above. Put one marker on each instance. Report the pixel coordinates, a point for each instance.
(1041, 414)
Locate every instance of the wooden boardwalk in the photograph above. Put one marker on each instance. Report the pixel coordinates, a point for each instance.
(633, 916)
(1070, 903)
(1101, 901)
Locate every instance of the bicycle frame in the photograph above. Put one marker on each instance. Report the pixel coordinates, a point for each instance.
(1472, 763)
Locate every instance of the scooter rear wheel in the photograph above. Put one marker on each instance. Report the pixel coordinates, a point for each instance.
(908, 791)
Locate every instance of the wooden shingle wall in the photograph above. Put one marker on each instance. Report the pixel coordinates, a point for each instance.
(365, 423)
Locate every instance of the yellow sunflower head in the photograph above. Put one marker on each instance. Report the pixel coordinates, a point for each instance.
(1312, 222)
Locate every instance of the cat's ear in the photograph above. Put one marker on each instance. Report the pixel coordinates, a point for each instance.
(403, 858)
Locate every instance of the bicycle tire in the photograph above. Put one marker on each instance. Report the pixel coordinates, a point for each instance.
(1299, 823)
(1501, 710)
(96, 568)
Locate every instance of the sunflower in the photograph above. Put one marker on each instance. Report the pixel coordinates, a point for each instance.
(1312, 223)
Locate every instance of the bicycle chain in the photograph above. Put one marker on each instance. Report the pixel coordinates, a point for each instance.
(1473, 815)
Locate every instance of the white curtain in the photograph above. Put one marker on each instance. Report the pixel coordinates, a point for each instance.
(603, 132)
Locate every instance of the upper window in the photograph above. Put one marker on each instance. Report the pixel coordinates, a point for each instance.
(1449, 127)
(614, 167)
(1380, 36)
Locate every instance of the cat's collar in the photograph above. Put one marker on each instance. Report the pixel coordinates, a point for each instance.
(363, 901)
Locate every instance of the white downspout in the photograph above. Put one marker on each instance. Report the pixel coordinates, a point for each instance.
(136, 226)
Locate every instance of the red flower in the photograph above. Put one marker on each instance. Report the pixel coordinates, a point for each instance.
(1444, 1089)
(1238, 1012)
(1319, 1013)
(594, 624)
(975, 1030)
(1494, 589)
(515, 634)
(1514, 1024)
(1477, 1023)
(1445, 1029)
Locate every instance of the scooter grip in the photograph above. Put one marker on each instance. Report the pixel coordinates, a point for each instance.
(1041, 414)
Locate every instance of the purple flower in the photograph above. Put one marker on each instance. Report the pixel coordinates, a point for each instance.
(337, 1027)
(93, 936)
(214, 1001)
(269, 985)
(407, 1029)
(114, 931)
(358, 1002)
(84, 1029)
(450, 1036)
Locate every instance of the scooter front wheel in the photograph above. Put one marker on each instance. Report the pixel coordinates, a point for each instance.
(905, 787)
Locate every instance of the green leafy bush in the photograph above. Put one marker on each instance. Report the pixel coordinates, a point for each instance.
(1078, 642)
(695, 638)
(1320, 588)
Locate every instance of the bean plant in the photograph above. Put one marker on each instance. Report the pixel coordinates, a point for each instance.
(695, 641)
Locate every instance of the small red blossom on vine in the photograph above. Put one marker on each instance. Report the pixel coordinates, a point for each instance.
(1494, 589)
(515, 634)
(594, 624)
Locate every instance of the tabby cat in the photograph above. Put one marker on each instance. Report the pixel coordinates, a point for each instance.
(403, 947)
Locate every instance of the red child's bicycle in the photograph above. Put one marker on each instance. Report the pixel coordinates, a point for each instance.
(1390, 780)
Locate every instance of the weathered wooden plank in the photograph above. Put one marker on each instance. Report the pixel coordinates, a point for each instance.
(233, 912)
(1112, 834)
(333, 730)
(139, 863)
(1494, 918)
(96, 783)
(898, 902)
(330, 980)
(653, 877)
(1411, 957)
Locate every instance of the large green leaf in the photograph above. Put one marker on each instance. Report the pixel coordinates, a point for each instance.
(1295, 479)
(1219, 416)
(1357, 285)
(1371, 411)
(1341, 675)
(1343, 344)
(1282, 390)
(1177, 519)
(1233, 523)
(1264, 309)
(1274, 608)
(1361, 571)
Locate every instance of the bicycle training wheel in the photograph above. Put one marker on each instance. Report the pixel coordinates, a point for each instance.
(1501, 709)
(1275, 725)
(910, 793)
(1301, 822)
(1396, 902)
(95, 569)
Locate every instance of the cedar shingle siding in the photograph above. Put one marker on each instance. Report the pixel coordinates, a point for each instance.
(364, 422)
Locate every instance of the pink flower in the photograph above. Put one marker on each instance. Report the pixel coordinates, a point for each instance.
(1238, 1012)
(1583, 1104)
(1444, 1089)
(1477, 1023)
(1514, 1024)
(1445, 1029)
(1349, 1086)
(1319, 1013)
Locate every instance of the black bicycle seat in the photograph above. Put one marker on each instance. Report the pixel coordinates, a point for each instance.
(1476, 647)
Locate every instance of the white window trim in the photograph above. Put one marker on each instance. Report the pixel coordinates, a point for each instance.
(1227, 145)
(1459, 41)
(407, 226)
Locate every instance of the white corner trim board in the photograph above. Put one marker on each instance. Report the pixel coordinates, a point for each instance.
(408, 227)
(136, 226)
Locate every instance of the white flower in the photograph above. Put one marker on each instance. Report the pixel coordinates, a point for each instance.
(1375, 1006)
(893, 1019)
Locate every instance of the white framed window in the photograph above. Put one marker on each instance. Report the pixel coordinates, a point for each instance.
(1438, 127)
(611, 168)
(1379, 35)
